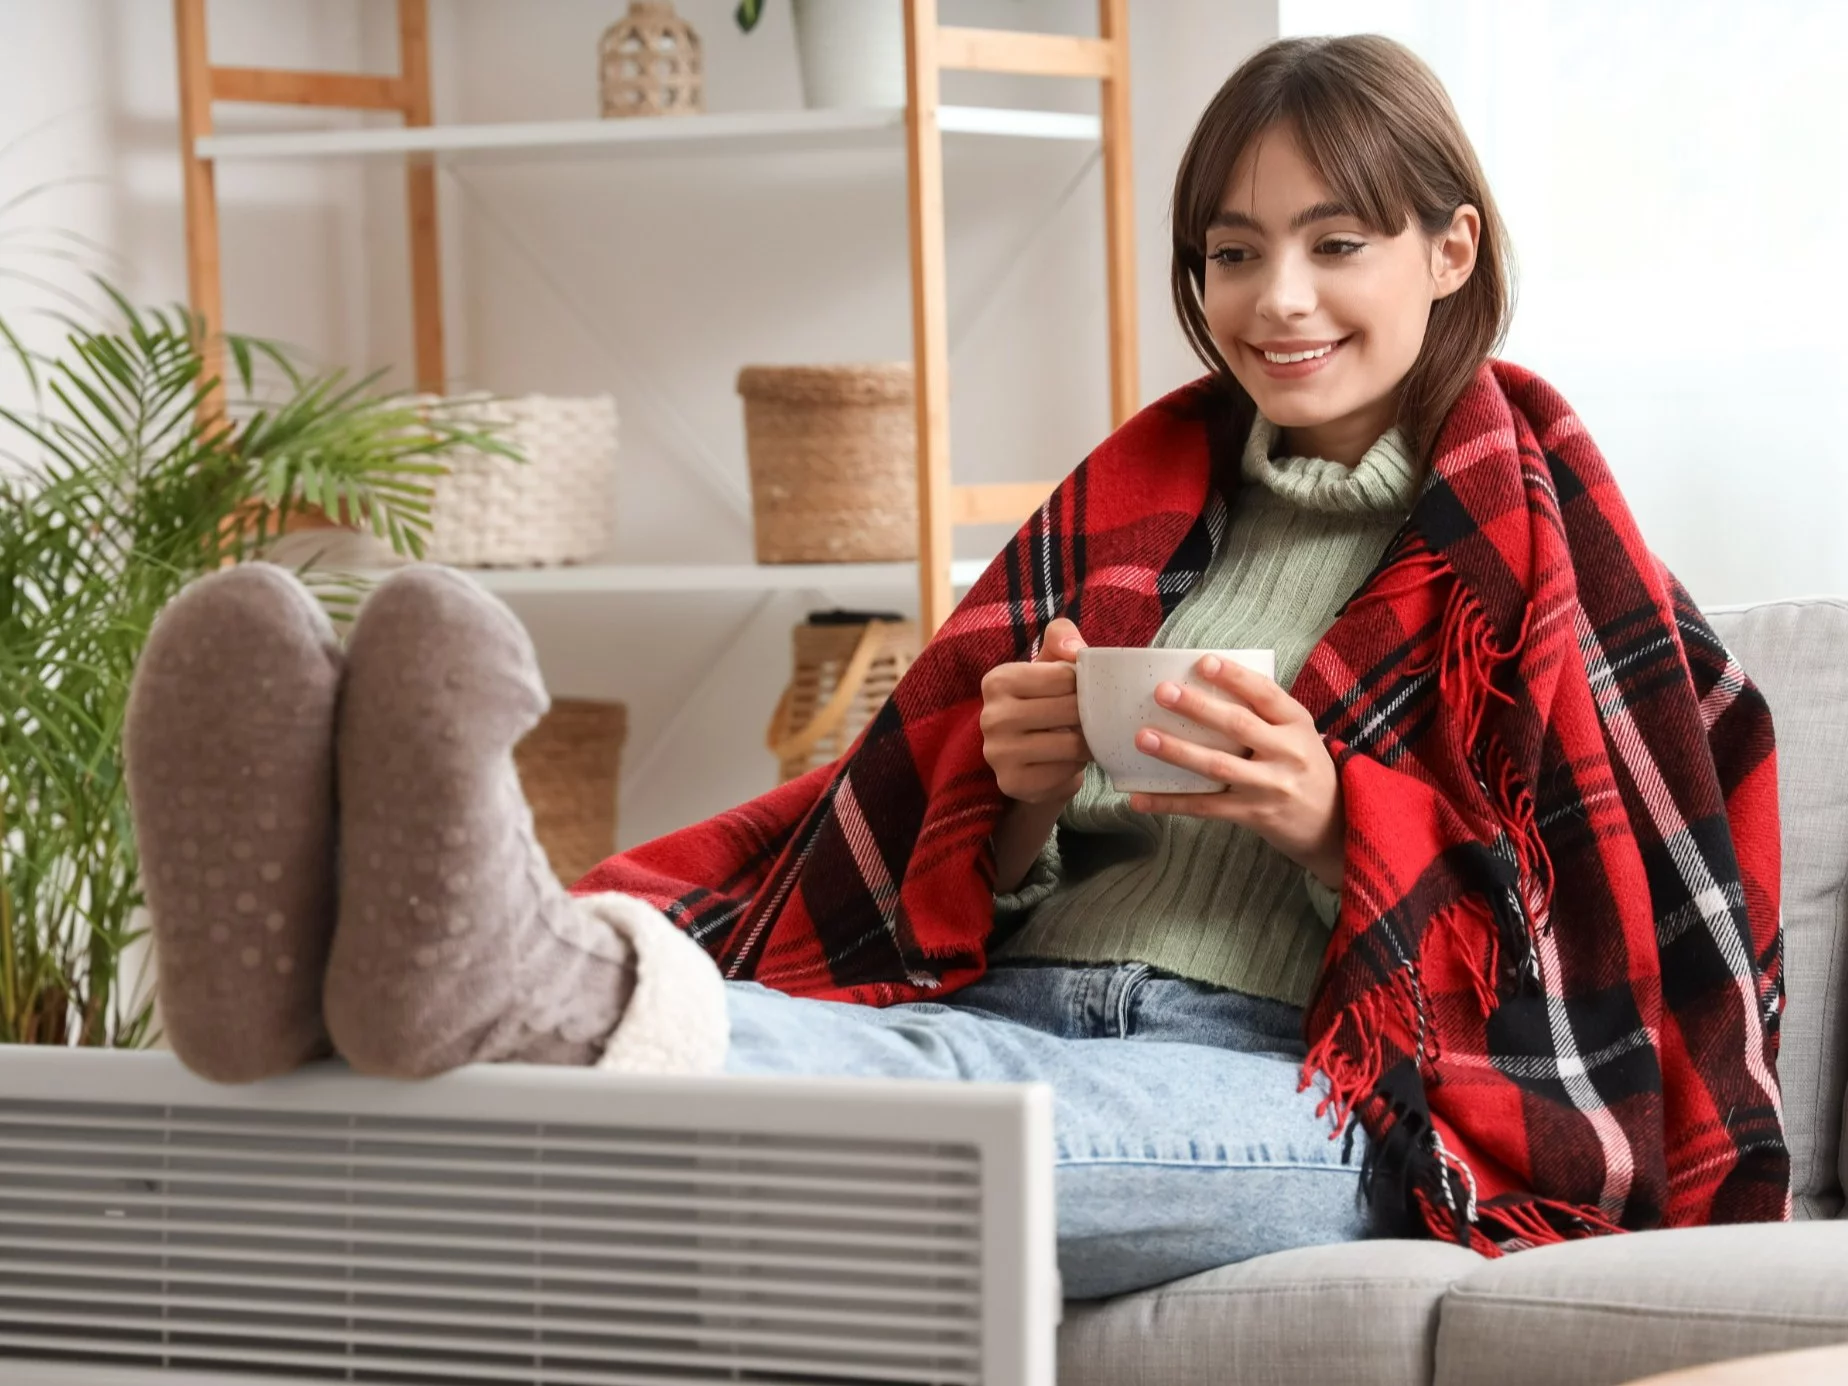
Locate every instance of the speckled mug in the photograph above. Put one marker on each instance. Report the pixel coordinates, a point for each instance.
(1116, 700)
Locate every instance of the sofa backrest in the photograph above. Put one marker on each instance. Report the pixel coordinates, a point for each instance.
(1797, 654)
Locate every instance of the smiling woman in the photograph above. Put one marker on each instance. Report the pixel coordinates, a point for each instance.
(1425, 911)
(1338, 279)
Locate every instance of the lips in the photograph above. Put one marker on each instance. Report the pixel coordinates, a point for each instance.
(1295, 357)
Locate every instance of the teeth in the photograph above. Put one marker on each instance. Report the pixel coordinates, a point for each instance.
(1283, 358)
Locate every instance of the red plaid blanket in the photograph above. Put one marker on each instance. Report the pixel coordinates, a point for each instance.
(1553, 993)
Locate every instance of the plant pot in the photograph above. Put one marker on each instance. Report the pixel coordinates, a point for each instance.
(852, 53)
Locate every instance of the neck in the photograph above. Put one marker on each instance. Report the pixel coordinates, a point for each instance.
(1344, 440)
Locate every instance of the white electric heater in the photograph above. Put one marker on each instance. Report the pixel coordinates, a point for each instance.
(516, 1224)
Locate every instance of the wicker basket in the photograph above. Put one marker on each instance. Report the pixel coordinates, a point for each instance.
(833, 456)
(558, 506)
(846, 665)
(649, 63)
(569, 766)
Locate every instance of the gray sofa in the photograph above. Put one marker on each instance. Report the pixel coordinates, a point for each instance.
(1402, 1313)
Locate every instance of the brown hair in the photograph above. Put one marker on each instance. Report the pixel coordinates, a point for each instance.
(1375, 124)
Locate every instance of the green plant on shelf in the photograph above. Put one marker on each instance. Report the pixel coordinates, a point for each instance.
(128, 470)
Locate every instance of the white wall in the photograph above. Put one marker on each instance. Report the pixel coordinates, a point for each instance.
(1671, 174)
(89, 149)
(654, 281)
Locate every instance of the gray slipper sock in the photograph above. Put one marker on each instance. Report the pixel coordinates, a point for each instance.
(228, 749)
(455, 942)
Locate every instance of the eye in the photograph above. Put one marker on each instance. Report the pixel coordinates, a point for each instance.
(1340, 245)
(1229, 255)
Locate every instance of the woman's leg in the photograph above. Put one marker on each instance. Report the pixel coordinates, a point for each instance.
(455, 942)
(1172, 1157)
(228, 756)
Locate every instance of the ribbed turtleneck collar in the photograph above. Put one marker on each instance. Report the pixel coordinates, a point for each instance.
(1385, 480)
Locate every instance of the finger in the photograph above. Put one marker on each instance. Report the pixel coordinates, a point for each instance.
(1060, 642)
(1052, 680)
(1265, 695)
(1231, 770)
(1223, 806)
(1048, 748)
(1034, 714)
(1236, 720)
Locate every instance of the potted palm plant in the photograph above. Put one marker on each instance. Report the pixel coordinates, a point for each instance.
(131, 471)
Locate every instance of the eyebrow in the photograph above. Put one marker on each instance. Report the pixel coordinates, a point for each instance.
(1321, 211)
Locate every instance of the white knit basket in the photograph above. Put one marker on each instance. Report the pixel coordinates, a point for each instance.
(556, 507)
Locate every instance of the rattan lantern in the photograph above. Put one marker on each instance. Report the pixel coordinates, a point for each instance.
(650, 64)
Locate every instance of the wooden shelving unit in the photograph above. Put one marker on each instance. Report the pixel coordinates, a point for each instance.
(919, 129)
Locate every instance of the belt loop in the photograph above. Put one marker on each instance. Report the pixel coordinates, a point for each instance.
(1128, 981)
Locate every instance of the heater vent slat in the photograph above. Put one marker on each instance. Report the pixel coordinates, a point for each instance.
(530, 1226)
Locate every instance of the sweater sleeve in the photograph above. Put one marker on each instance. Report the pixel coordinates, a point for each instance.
(1327, 902)
(1041, 880)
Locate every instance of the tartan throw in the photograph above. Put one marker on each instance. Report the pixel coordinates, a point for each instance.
(1553, 992)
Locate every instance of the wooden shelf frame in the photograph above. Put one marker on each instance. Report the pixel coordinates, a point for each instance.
(930, 50)
(408, 93)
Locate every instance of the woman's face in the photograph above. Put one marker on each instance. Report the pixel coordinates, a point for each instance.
(1319, 317)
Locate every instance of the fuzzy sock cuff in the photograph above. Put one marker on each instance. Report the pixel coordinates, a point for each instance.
(675, 1022)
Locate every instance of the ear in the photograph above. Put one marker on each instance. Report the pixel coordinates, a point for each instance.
(1453, 252)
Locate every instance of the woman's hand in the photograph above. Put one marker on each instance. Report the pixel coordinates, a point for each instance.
(1285, 789)
(1030, 734)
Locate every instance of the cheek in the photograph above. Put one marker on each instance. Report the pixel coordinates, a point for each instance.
(1221, 305)
(1393, 314)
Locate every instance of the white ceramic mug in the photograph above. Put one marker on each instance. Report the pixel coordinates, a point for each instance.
(1116, 700)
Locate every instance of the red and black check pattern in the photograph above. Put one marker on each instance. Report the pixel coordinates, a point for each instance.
(1552, 996)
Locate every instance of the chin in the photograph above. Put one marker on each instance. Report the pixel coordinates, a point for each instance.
(1290, 409)
(1295, 413)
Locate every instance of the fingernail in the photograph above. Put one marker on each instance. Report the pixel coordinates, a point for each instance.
(1148, 741)
(1069, 646)
(1210, 665)
(1167, 693)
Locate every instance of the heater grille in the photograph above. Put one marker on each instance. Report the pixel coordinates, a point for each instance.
(372, 1246)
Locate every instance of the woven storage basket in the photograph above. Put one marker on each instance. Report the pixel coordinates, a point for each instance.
(846, 665)
(833, 456)
(555, 507)
(569, 765)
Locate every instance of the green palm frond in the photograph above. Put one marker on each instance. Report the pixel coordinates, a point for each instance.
(122, 486)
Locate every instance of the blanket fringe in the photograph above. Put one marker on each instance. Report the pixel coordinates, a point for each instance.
(1467, 654)
(1547, 1222)
(1352, 1055)
(1470, 928)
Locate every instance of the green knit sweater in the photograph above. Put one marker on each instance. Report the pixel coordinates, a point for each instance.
(1207, 899)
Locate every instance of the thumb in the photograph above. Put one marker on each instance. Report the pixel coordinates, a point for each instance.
(1061, 643)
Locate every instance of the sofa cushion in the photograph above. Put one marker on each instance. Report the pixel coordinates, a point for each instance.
(1616, 1308)
(1797, 654)
(1353, 1314)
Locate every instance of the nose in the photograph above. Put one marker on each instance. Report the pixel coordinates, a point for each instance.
(1288, 289)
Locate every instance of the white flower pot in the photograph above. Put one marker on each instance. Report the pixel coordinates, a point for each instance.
(852, 52)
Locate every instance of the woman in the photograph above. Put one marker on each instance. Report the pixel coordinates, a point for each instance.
(1498, 873)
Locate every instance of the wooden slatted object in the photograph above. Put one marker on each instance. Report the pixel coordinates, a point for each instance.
(408, 93)
(930, 49)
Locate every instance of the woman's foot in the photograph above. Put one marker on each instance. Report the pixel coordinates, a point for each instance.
(228, 749)
(455, 942)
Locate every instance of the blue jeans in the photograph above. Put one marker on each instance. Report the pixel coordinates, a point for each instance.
(1181, 1140)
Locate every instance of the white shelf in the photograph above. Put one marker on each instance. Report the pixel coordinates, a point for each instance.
(750, 133)
(591, 578)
